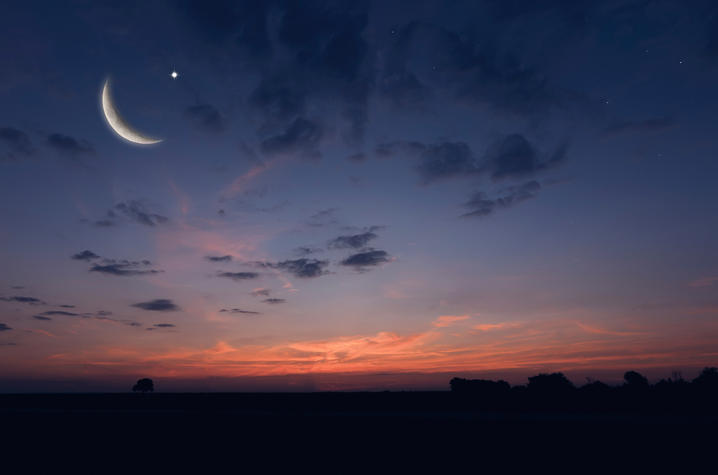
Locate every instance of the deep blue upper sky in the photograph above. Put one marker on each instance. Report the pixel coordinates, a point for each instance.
(337, 177)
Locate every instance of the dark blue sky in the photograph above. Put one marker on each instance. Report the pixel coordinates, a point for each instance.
(358, 187)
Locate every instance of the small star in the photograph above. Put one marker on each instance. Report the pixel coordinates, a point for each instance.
(174, 74)
(680, 61)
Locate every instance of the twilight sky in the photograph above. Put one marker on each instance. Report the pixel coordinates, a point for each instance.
(357, 195)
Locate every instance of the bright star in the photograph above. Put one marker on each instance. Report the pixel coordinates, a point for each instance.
(174, 74)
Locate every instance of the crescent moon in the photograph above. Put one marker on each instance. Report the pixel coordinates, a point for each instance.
(118, 124)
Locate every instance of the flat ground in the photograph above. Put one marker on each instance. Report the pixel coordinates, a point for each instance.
(282, 427)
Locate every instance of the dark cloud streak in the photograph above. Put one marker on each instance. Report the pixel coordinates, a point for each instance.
(365, 259)
(123, 268)
(239, 311)
(206, 117)
(85, 256)
(22, 299)
(138, 212)
(354, 241)
(17, 142)
(69, 145)
(481, 205)
(301, 139)
(303, 268)
(157, 305)
(226, 258)
(238, 276)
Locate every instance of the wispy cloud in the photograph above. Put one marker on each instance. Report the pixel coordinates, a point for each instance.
(448, 320)
(238, 276)
(240, 183)
(704, 282)
(132, 210)
(604, 331)
(260, 292)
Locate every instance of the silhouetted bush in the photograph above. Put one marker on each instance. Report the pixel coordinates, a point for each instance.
(550, 383)
(144, 385)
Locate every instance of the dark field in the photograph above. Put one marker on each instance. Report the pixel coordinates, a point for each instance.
(409, 426)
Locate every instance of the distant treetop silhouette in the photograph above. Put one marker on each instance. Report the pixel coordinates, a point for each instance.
(635, 380)
(144, 385)
(554, 391)
(708, 379)
(550, 383)
(484, 387)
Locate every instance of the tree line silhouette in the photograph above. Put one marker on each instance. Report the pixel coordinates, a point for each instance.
(555, 391)
(544, 392)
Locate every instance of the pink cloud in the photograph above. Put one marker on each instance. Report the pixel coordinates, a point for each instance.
(485, 327)
(704, 282)
(602, 331)
(183, 198)
(239, 183)
(448, 320)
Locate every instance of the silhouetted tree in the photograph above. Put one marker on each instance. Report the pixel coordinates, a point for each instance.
(708, 379)
(595, 395)
(457, 384)
(555, 392)
(144, 385)
(550, 383)
(635, 380)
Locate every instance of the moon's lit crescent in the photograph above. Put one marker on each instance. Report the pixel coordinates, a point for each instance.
(118, 124)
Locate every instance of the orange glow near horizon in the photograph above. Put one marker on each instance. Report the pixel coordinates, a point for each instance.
(555, 345)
